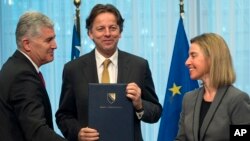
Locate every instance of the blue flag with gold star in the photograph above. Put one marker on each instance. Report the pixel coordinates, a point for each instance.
(76, 43)
(179, 83)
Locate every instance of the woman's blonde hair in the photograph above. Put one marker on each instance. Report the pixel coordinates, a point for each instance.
(221, 71)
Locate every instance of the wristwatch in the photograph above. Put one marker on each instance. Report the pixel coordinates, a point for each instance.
(139, 113)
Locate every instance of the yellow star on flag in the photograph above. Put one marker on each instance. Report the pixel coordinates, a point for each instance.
(175, 89)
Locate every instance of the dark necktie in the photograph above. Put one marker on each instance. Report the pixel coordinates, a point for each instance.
(41, 77)
(105, 73)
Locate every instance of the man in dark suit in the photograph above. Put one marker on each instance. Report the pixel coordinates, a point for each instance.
(104, 26)
(25, 111)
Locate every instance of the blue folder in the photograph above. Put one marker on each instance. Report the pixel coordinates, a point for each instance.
(111, 113)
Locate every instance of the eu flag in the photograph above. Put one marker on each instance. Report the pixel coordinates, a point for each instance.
(179, 83)
(76, 43)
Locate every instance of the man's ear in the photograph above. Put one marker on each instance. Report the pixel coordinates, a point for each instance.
(90, 35)
(26, 44)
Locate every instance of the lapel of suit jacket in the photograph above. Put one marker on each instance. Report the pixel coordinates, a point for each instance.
(197, 106)
(212, 110)
(123, 67)
(89, 67)
(45, 96)
(19, 55)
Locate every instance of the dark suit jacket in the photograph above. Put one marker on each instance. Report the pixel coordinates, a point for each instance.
(25, 111)
(73, 110)
(230, 106)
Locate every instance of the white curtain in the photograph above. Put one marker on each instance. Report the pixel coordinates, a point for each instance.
(149, 31)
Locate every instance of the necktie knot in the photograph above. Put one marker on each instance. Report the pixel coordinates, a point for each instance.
(41, 77)
(105, 73)
(106, 63)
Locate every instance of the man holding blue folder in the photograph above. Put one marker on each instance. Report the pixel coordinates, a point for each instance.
(104, 26)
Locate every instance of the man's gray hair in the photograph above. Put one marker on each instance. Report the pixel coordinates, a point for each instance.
(29, 25)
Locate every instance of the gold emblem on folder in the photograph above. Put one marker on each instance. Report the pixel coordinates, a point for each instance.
(111, 97)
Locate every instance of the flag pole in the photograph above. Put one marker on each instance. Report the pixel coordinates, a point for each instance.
(182, 8)
(76, 39)
(77, 16)
(179, 83)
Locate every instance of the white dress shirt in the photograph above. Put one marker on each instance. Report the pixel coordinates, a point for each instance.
(113, 66)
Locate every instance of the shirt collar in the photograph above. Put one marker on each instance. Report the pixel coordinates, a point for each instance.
(100, 58)
(36, 67)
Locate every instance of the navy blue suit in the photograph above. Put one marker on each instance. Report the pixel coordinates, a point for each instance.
(73, 110)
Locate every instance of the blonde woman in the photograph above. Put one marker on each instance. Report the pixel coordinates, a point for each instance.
(208, 112)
